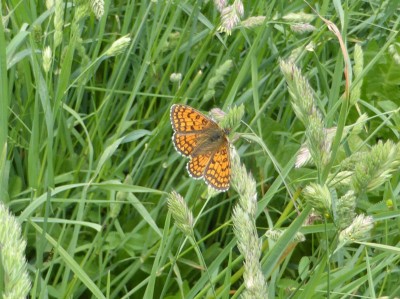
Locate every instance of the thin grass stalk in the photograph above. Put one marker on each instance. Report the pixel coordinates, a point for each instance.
(4, 109)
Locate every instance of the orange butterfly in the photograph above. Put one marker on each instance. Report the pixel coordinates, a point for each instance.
(201, 139)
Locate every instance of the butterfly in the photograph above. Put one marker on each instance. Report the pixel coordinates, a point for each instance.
(205, 143)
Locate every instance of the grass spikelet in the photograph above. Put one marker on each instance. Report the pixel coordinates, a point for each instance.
(58, 22)
(47, 59)
(318, 140)
(175, 77)
(394, 51)
(345, 210)
(275, 234)
(319, 197)
(220, 73)
(299, 17)
(228, 120)
(302, 28)
(358, 67)
(97, 8)
(243, 219)
(220, 4)
(358, 230)
(374, 168)
(252, 22)
(230, 16)
(180, 212)
(300, 91)
(118, 46)
(12, 255)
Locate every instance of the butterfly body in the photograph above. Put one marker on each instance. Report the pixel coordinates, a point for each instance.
(206, 144)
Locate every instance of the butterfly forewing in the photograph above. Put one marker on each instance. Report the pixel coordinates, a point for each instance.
(185, 119)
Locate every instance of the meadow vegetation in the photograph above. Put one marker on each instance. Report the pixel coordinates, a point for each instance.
(96, 203)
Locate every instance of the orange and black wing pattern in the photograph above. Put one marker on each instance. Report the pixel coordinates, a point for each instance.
(185, 119)
(201, 139)
(218, 171)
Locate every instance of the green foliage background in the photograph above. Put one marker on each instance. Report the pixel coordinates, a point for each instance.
(87, 159)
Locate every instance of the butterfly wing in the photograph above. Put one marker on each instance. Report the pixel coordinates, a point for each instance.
(200, 138)
(197, 165)
(185, 119)
(185, 144)
(217, 173)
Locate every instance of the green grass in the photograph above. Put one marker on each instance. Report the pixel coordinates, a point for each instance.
(87, 162)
